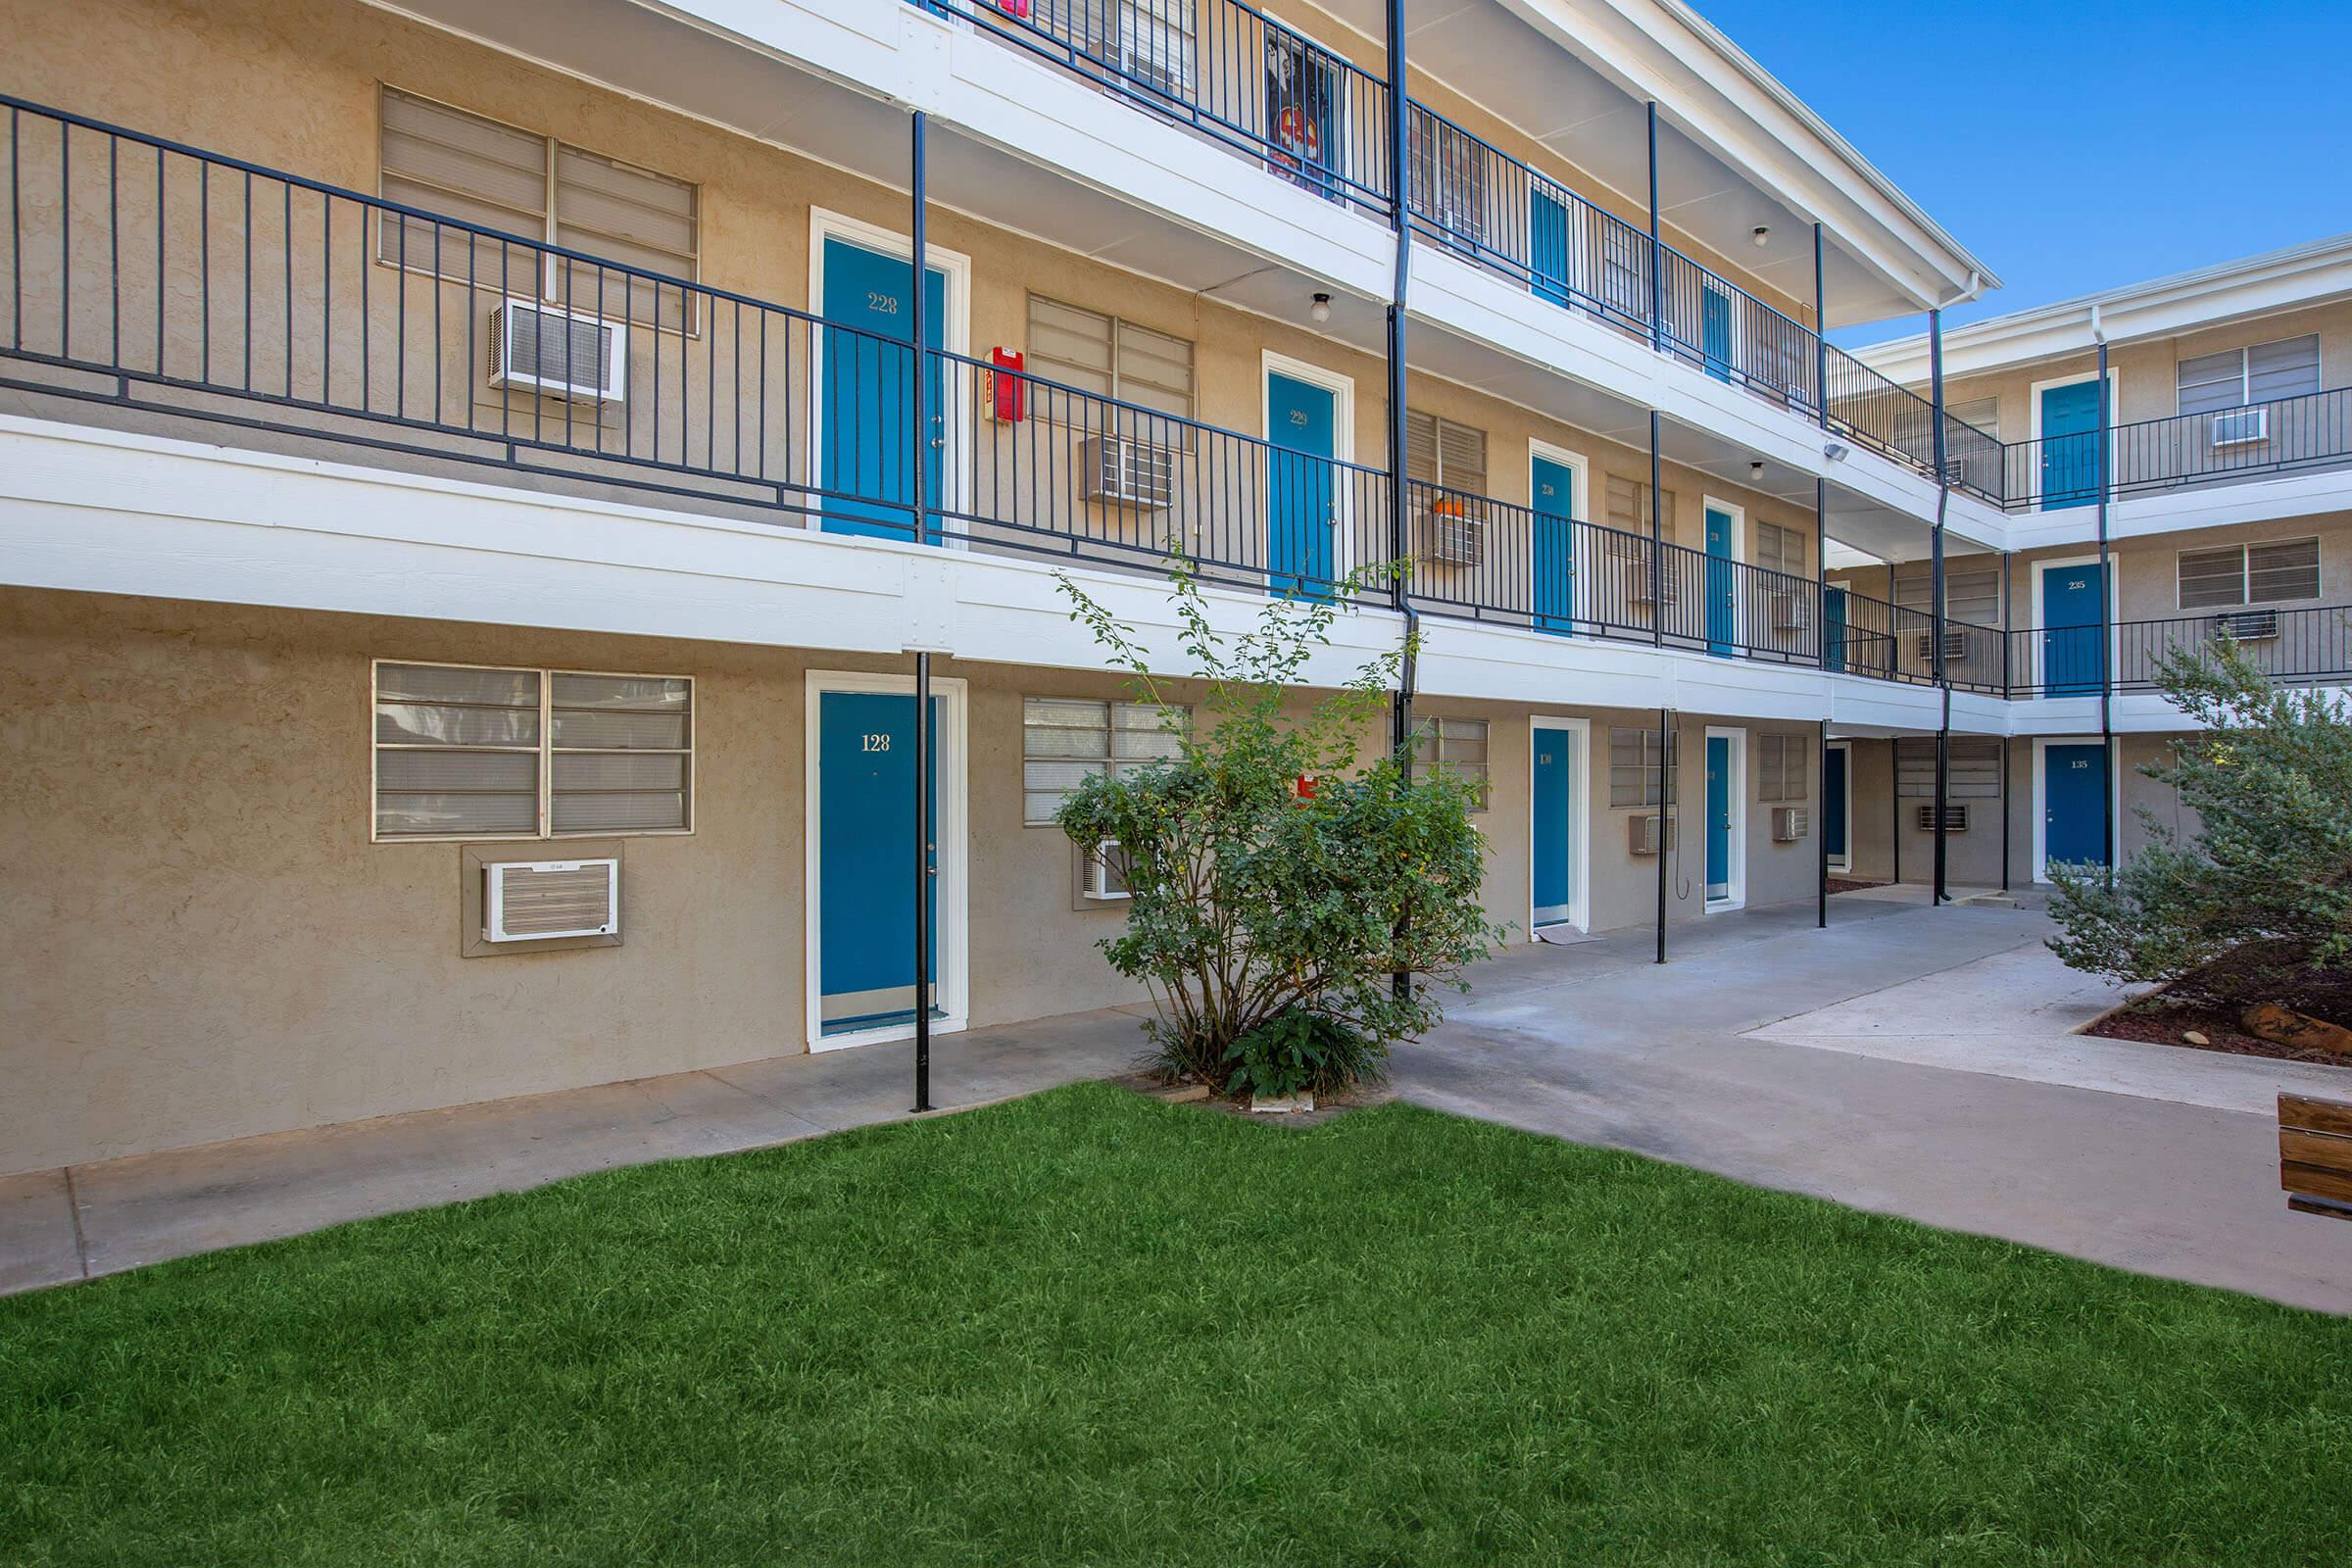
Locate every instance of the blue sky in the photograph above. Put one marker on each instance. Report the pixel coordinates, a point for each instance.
(2077, 146)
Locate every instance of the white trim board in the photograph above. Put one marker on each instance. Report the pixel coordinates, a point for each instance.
(2037, 861)
(1580, 807)
(1737, 898)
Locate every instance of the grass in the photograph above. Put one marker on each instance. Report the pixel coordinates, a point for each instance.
(1090, 1327)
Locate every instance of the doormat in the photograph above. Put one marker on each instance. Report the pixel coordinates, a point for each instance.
(1562, 936)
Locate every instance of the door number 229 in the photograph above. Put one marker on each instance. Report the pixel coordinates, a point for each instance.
(874, 741)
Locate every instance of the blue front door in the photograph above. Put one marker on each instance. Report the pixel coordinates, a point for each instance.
(1552, 827)
(1833, 804)
(867, 409)
(1715, 331)
(2074, 658)
(1833, 627)
(1723, 584)
(1554, 488)
(1719, 819)
(865, 858)
(2073, 800)
(2070, 470)
(1547, 247)
(1299, 499)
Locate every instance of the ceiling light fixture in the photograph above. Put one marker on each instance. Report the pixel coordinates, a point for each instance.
(1320, 310)
(1755, 470)
(1762, 235)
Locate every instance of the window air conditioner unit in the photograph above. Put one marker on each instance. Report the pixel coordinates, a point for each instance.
(1128, 472)
(1792, 611)
(557, 353)
(1955, 645)
(534, 900)
(1955, 816)
(1639, 594)
(2248, 625)
(1457, 537)
(1790, 823)
(1153, 52)
(2238, 427)
(1641, 833)
(1107, 872)
(1955, 469)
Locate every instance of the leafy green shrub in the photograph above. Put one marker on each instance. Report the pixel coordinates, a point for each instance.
(2257, 904)
(1249, 901)
(1303, 1053)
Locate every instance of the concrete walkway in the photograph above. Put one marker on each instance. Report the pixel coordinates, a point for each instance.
(1910, 1060)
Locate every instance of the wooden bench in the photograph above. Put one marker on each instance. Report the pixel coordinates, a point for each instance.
(2314, 1155)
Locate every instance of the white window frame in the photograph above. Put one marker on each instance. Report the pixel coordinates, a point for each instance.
(1434, 726)
(2245, 574)
(1118, 325)
(1111, 725)
(2245, 372)
(547, 751)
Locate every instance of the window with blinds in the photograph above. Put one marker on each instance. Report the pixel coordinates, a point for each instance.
(480, 171)
(1067, 740)
(1782, 772)
(1971, 594)
(2260, 374)
(1457, 749)
(1448, 175)
(2249, 575)
(1982, 413)
(1779, 549)
(465, 752)
(1975, 764)
(1108, 358)
(1633, 767)
(1441, 452)
(1629, 505)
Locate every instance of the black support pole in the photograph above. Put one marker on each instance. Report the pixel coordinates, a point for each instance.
(1657, 253)
(1666, 822)
(918, 251)
(2106, 627)
(1820, 332)
(1657, 537)
(1894, 787)
(1401, 712)
(1937, 609)
(2008, 683)
(1821, 832)
(2005, 813)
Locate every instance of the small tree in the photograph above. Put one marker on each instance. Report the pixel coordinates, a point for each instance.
(2258, 902)
(1252, 899)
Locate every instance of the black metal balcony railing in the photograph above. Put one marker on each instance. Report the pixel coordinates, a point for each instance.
(1223, 68)
(155, 277)
(2306, 643)
(2285, 435)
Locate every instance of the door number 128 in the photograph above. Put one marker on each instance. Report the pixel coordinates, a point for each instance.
(872, 742)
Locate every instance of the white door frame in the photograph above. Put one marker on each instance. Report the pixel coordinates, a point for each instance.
(1845, 861)
(1738, 517)
(1342, 387)
(1580, 820)
(956, 336)
(1579, 499)
(2041, 862)
(2107, 610)
(953, 950)
(2115, 395)
(1737, 898)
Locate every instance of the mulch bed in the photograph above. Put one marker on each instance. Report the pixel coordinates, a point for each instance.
(1848, 884)
(2165, 1016)
(1327, 1106)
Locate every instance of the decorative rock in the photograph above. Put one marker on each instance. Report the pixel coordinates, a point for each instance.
(1182, 1094)
(2287, 1027)
(2195, 1037)
(1289, 1105)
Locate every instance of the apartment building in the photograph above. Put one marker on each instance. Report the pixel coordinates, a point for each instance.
(2209, 497)
(480, 485)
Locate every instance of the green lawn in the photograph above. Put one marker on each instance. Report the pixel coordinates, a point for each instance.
(1091, 1328)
